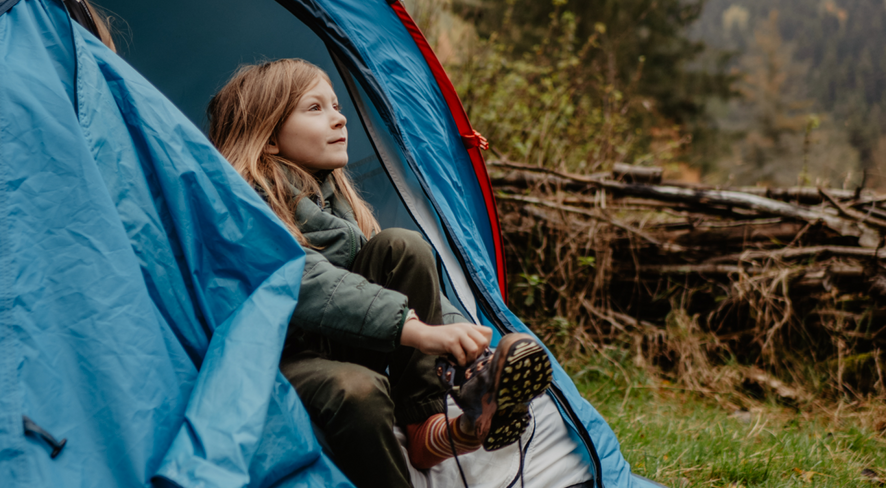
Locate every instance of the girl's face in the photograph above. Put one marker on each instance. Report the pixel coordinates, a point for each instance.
(314, 135)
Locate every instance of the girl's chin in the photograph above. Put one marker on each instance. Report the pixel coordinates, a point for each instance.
(328, 166)
(331, 167)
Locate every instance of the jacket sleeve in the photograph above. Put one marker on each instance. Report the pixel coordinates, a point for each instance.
(451, 314)
(345, 307)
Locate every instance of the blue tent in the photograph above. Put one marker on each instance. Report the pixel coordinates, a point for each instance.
(146, 288)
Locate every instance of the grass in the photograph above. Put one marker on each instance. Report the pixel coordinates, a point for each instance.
(683, 440)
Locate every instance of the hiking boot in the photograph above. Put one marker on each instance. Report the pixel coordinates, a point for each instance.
(495, 390)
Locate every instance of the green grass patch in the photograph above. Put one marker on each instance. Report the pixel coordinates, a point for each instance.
(681, 439)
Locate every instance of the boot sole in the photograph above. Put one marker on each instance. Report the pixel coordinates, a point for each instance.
(526, 374)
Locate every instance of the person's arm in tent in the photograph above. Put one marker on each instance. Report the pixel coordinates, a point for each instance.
(344, 306)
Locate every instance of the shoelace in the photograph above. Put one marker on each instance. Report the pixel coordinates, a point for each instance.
(455, 452)
(452, 442)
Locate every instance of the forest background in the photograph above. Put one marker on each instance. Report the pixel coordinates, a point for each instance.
(774, 366)
(733, 85)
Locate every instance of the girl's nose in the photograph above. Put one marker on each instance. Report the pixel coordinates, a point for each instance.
(339, 120)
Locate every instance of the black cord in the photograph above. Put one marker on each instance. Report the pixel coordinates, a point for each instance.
(452, 442)
(455, 453)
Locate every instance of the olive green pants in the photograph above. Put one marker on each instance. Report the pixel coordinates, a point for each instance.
(355, 395)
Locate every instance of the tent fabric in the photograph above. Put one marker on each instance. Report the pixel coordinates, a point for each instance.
(146, 288)
(468, 135)
(139, 319)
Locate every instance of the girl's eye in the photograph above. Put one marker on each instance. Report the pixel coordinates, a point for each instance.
(314, 107)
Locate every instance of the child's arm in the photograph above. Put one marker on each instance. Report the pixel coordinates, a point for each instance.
(345, 307)
(464, 341)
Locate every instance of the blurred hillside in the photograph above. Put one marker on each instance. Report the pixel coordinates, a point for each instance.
(813, 80)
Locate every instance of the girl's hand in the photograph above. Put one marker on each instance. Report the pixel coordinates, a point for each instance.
(464, 341)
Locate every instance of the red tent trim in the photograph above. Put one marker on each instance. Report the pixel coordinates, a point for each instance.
(471, 138)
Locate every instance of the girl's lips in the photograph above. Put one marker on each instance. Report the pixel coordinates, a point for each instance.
(338, 140)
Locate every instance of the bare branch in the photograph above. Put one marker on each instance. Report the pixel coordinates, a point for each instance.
(597, 215)
(851, 213)
(799, 252)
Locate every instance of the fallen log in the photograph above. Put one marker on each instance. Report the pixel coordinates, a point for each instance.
(873, 210)
(636, 174)
(836, 270)
(685, 269)
(523, 180)
(797, 252)
(845, 226)
(867, 237)
(806, 195)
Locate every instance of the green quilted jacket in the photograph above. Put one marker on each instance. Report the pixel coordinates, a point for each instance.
(334, 302)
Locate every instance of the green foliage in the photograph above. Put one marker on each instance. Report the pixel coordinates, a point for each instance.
(552, 106)
(589, 261)
(616, 72)
(549, 106)
(563, 327)
(531, 284)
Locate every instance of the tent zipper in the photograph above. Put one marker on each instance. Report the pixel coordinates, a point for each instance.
(582, 432)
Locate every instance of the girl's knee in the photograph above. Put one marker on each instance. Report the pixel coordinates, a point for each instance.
(361, 391)
(405, 244)
(357, 409)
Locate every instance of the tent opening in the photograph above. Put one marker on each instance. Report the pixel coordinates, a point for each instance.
(188, 50)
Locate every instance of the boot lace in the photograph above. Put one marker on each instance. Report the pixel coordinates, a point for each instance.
(461, 471)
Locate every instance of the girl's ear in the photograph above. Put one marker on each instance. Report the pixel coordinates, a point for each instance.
(271, 147)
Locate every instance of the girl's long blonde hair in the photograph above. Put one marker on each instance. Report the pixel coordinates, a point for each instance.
(102, 20)
(102, 24)
(247, 113)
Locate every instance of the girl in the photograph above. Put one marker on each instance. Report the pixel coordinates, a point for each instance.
(362, 341)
